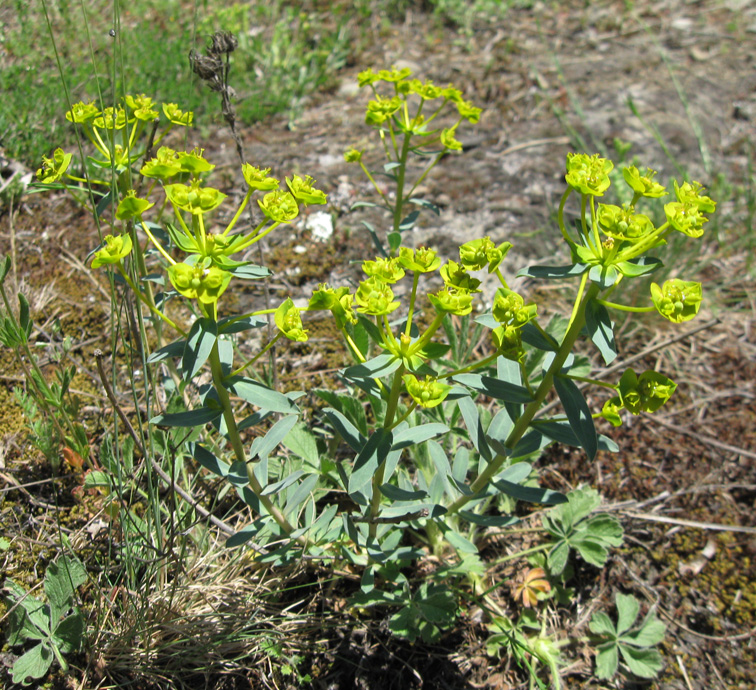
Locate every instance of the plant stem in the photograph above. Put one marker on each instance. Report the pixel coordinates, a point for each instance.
(236, 443)
(523, 423)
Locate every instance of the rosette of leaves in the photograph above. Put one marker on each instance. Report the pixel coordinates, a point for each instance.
(573, 527)
(57, 626)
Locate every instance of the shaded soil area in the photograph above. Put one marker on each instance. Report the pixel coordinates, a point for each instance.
(675, 79)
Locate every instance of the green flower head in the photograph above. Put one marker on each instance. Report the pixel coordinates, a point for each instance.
(142, 107)
(623, 223)
(393, 75)
(644, 393)
(428, 393)
(420, 260)
(685, 217)
(449, 140)
(198, 282)
(304, 192)
(476, 254)
(113, 250)
(338, 301)
(279, 206)
(456, 277)
(375, 297)
(643, 184)
(588, 174)
(451, 300)
(427, 90)
(192, 162)
(82, 112)
(388, 270)
(112, 118)
(611, 411)
(352, 155)
(509, 309)
(131, 206)
(692, 193)
(258, 178)
(508, 342)
(289, 321)
(193, 198)
(176, 116)
(381, 109)
(164, 166)
(677, 300)
(468, 111)
(54, 168)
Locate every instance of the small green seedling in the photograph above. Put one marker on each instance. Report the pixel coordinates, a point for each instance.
(58, 625)
(633, 644)
(590, 536)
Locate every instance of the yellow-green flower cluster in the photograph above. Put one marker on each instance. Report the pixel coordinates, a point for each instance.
(636, 394)
(427, 393)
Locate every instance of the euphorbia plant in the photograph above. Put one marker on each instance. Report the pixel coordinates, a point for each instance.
(396, 446)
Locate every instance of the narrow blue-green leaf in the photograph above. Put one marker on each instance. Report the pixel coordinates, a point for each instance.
(604, 276)
(469, 411)
(260, 395)
(392, 460)
(374, 236)
(242, 536)
(375, 368)
(493, 388)
(199, 344)
(301, 492)
(498, 431)
(345, 429)
(458, 541)
(601, 330)
(530, 494)
(263, 446)
(276, 487)
(6, 266)
(578, 414)
(174, 349)
(394, 240)
(488, 520)
(418, 434)
(532, 442)
(23, 314)
(516, 473)
(232, 324)
(198, 417)
(254, 419)
(552, 272)
(397, 494)
(461, 464)
(408, 222)
(427, 205)
(249, 272)
(205, 458)
(561, 432)
(643, 265)
(533, 337)
(369, 459)
(103, 203)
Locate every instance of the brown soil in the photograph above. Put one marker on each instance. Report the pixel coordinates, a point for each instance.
(683, 476)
